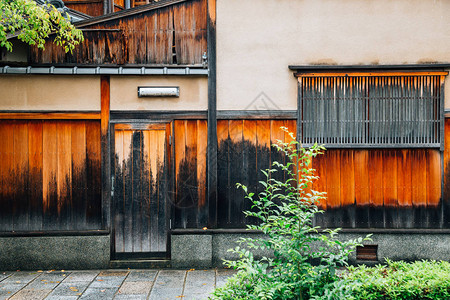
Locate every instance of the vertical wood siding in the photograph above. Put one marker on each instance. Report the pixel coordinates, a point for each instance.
(140, 190)
(190, 172)
(91, 8)
(50, 174)
(170, 35)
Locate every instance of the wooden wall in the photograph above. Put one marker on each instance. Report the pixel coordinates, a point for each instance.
(173, 35)
(50, 175)
(91, 8)
(189, 196)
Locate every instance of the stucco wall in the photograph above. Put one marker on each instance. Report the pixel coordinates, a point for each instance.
(193, 93)
(49, 92)
(258, 39)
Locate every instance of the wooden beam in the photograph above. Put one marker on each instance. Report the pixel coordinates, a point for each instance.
(372, 73)
(49, 116)
(105, 151)
(209, 212)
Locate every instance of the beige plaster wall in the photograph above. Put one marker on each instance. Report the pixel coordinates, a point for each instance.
(258, 39)
(193, 93)
(49, 92)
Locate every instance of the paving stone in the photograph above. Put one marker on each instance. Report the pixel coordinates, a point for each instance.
(11, 287)
(5, 294)
(21, 277)
(98, 294)
(166, 293)
(70, 288)
(107, 282)
(31, 294)
(50, 297)
(4, 275)
(136, 287)
(81, 276)
(199, 284)
(48, 280)
(113, 273)
(142, 275)
(130, 297)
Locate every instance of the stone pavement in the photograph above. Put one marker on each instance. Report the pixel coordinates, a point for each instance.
(111, 284)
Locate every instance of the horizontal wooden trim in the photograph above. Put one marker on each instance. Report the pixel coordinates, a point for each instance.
(378, 146)
(71, 2)
(129, 116)
(329, 68)
(212, 231)
(367, 74)
(257, 114)
(49, 116)
(54, 233)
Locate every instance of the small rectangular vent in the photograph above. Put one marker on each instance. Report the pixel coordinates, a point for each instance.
(367, 252)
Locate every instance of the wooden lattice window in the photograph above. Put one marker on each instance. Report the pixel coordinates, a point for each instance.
(371, 109)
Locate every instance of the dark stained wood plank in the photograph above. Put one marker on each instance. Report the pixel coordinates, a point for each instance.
(64, 174)
(222, 174)
(128, 190)
(7, 177)
(390, 184)
(277, 137)
(21, 208)
(446, 186)
(148, 181)
(119, 191)
(35, 151)
(236, 200)
(434, 215)
(202, 143)
(180, 154)
(191, 176)
(347, 184)
(49, 173)
(404, 188)
(419, 186)
(376, 211)
(362, 195)
(333, 215)
(161, 167)
(79, 180)
(105, 151)
(93, 155)
(136, 192)
(250, 172)
(263, 150)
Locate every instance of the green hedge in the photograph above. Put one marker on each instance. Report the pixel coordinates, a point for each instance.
(400, 280)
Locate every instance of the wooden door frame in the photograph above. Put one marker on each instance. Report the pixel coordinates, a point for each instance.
(142, 125)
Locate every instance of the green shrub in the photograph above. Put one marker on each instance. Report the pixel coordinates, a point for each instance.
(285, 210)
(400, 280)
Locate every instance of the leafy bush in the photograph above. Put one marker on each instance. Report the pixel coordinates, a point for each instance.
(304, 261)
(400, 280)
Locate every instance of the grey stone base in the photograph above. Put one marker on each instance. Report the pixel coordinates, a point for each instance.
(209, 250)
(58, 252)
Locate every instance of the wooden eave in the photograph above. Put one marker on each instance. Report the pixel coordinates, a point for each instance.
(128, 12)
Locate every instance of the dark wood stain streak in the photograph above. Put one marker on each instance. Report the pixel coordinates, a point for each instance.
(21, 208)
(93, 157)
(168, 35)
(35, 149)
(446, 168)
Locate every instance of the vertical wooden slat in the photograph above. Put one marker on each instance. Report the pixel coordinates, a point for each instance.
(79, 181)
(362, 193)
(376, 214)
(105, 152)
(35, 173)
(404, 189)
(249, 159)
(128, 190)
(148, 182)
(446, 186)
(49, 173)
(190, 178)
(419, 186)
(119, 191)
(220, 214)
(64, 174)
(263, 150)
(276, 137)
(433, 188)
(21, 207)
(180, 154)
(390, 188)
(94, 175)
(347, 184)
(236, 200)
(202, 131)
(162, 182)
(136, 189)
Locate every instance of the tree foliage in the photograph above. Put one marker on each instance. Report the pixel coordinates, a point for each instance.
(33, 24)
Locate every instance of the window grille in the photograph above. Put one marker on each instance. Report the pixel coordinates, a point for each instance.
(371, 111)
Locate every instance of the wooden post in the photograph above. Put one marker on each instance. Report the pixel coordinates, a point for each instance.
(105, 151)
(209, 212)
